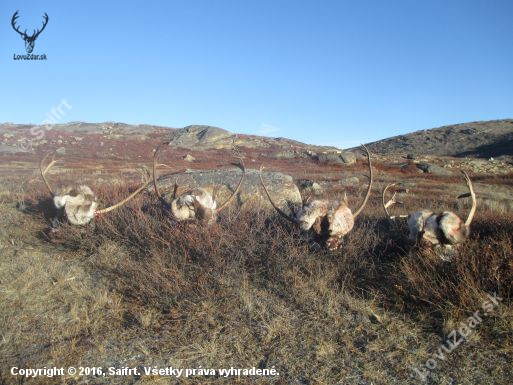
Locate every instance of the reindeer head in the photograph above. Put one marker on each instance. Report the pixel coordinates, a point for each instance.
(196, 203)
(30, 41)
(328, 225)
(79, 204)
(445, 228)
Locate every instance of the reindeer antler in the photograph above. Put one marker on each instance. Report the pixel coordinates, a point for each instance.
(472, 194)
(287, 217)
(47, 168)
(390, 202)
(225, 204)
(154, 173)
(126, 200)
(367, 195)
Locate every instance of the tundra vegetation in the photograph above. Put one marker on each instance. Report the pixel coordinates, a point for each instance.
(138, 288)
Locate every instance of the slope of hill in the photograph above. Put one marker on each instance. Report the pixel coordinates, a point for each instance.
(118, 140)
(87, 137)
(485, 139)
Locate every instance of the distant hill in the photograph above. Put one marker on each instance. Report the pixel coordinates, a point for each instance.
(476, 139)
(120, 139)
(485, 139)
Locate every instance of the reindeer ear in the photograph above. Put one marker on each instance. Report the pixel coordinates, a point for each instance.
(345, 199)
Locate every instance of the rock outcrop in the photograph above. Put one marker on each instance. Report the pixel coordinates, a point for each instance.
(281, 187)
(201, 137)
(344, 158)
(433, 169)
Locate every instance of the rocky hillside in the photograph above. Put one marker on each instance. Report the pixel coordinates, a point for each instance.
(122, 141)
(486, 139)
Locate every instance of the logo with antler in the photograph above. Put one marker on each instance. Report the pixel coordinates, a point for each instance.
(30, 41)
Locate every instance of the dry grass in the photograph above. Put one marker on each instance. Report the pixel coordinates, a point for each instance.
(135, 288)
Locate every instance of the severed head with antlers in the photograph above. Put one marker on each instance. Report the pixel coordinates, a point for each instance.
(196, 203)
(444, 229)
(324, 221)
(78, 203)
(30, 41)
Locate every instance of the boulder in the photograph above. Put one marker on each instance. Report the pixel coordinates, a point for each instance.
(8, 149)
(285, 155)
(309, 187)
(433, 169)
(201, 137)
(281, 187)
(330, 158)
(348, 157)
(351, 181)
(344, 157)
(291, 154)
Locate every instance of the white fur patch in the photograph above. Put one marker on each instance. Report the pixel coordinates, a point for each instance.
(341, 221)
(453, 228)
(79, 204)
(184, 207)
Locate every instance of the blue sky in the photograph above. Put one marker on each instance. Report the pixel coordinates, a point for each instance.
(324, 72)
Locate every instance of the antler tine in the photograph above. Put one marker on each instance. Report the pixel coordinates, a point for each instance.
(144, 172)
(473, 196)
(44, 25)
(154, 172)
(126, 200)
(287, 217)
(154, 167)
(225, 204)
(367, 195)
(157, 192)
(175, 190)
(47, 168)
(390, 202)
(235, 149)
(13, 23)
